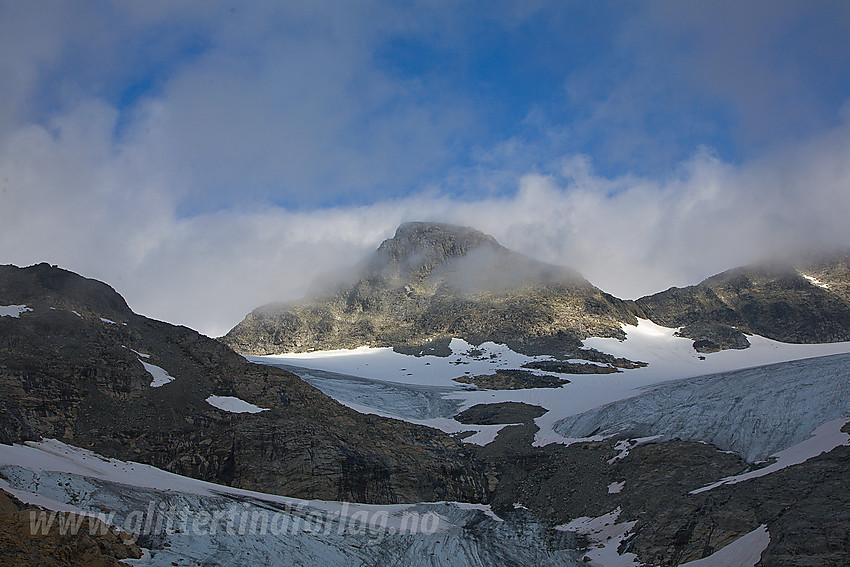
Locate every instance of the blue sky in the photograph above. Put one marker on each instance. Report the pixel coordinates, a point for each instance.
(145, 142)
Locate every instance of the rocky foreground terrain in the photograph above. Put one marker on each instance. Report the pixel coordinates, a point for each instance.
(76, 365)
(94, 545)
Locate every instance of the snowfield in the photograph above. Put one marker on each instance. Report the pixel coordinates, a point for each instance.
(14, 311)
(233, 405)
(421, 389)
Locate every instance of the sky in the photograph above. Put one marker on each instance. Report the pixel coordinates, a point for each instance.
(207, 157)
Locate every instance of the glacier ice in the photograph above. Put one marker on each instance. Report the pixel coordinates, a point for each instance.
(754, 412)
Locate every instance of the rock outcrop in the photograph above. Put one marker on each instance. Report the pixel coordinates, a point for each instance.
(30, 535)
(805, 507)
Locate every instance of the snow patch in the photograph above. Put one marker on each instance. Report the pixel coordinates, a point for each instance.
(105, 320)
(233, 405)
(159, 375)
(616, 487)
(814, 280)
(13, 310)
(486, 508)
(626, 445)
(824, 439)
(486, 434)
(743, 552)
(607, 535)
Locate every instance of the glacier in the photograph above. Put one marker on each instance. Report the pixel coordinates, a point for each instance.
(755, 412)
(408, 401)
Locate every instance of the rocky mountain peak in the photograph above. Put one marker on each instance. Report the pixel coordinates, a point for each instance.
(422, 246)
(432, 282)
(806, 303)
(455, 257)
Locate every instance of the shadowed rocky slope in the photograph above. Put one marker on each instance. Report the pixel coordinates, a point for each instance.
(432, 282)
(805, 304)
(72, 368)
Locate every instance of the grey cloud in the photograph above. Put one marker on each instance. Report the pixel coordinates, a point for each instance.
(742, 76)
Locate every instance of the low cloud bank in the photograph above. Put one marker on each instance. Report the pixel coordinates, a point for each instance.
(71, 198)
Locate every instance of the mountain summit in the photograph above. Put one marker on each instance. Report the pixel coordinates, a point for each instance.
(431, 282)
(461, 258)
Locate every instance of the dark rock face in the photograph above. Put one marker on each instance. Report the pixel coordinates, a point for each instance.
(780, 303)
(499, 413)
(80, 379)
(570, 367)
(431, 282)
(513, 380)
(61, 289)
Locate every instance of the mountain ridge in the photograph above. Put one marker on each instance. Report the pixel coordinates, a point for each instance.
(777, 301)
(431, 282)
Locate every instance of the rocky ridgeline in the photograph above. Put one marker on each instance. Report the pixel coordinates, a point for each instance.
(805, 304)
(72, 368)
(432, 282)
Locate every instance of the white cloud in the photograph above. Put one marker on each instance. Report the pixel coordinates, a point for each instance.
(70, 197)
